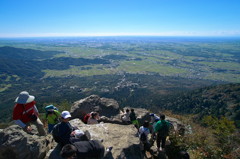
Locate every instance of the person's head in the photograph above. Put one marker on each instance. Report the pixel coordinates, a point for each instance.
(127, 110)
(68, 151)
(146, 124)
(24, 98)
(50, 111)
(184, 155)
(162, 116)
(94, 115)
(132, 110)
(65, 116)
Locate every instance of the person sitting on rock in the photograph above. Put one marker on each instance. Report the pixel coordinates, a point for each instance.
(162, 129)
(93, 118)
(62, 131)
(133, 119)
(143, 136)
(25, 113)
(51, 118)
(85, 148)
(125, 116)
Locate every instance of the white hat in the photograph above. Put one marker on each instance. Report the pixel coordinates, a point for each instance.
(24, 98)
(65, 114)
(78, 133)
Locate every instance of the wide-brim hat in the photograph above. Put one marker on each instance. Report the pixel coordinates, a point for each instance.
(24, 98)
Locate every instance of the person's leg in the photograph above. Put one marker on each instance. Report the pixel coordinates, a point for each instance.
(50, 127)
(163, 141)
(40, 127)
(158, 141)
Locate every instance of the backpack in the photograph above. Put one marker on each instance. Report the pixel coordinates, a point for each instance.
(86, 117)
(55, 133)
(143, 137)
(164, 130)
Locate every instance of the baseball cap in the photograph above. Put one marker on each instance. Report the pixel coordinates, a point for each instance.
(65, 114)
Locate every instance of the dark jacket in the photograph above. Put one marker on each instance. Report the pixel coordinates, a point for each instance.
(89, 149)
(61, 133)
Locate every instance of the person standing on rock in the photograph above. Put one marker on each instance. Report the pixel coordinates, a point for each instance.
(25, 113)
(143, 136)
(51, 118)
(162, 130)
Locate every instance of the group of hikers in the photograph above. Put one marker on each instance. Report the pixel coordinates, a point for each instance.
(75, 143)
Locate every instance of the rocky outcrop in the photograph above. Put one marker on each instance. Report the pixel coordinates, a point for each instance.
(107, 107)
(17, 144)
(121, 137)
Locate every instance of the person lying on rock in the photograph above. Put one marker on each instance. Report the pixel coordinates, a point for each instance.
(25, 113)
(85, 149)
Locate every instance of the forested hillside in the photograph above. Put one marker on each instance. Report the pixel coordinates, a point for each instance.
(220, 100)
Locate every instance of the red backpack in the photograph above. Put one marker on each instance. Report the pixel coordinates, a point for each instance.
(86, 117)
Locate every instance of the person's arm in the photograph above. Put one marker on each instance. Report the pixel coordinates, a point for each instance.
(20, 123)
(35, 110)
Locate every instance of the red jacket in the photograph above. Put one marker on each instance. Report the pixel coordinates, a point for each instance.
(24, 111)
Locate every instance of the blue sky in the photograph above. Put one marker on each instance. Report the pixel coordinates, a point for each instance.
(30, 18)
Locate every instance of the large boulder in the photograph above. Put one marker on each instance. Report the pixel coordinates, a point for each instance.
(107, 107)
(122, 138)
(17, 144)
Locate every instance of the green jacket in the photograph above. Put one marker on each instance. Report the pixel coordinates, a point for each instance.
(162, 128)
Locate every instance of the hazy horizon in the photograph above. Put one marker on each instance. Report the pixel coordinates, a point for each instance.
(27, 18)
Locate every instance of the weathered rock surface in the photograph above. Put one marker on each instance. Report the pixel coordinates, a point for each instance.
(121, 137)
(17, 144)
(107, 107)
